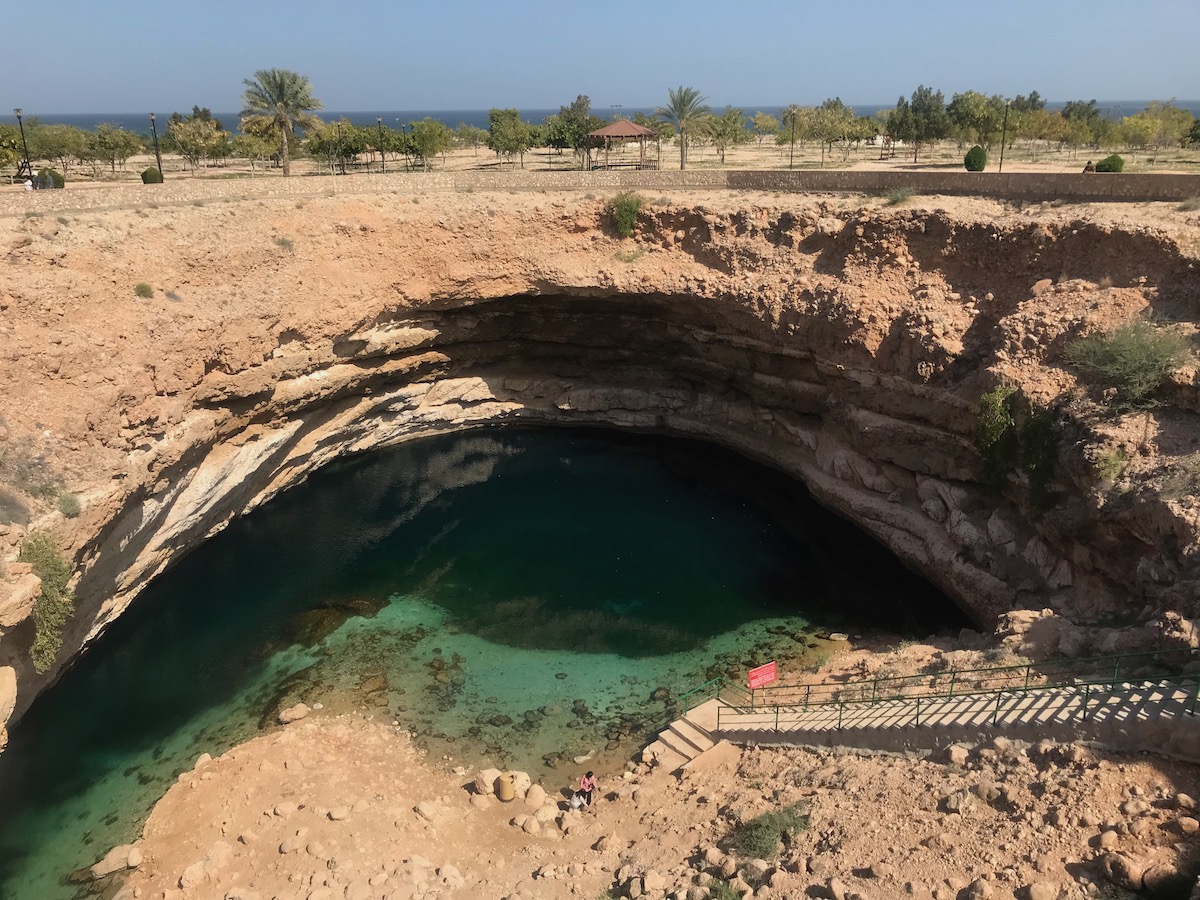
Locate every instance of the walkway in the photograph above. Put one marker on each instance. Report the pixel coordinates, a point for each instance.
(923, 712)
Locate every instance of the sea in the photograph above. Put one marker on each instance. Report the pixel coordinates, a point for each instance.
(140, 122)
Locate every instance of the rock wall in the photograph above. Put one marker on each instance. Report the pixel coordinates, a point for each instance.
(846, 346)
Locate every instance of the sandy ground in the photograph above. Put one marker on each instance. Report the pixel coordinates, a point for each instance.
(346, 808)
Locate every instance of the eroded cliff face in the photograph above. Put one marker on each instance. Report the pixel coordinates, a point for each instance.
(847, 345)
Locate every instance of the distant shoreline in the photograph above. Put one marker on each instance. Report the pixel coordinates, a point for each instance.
(140, 122)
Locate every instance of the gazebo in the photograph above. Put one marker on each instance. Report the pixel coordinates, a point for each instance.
(622, 131)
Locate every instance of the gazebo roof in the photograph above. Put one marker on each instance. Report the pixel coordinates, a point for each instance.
(622, 128)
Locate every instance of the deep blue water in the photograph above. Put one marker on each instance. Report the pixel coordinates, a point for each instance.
(523, 592)
(139, 122)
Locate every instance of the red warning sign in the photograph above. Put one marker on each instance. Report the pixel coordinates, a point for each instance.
(763, 675)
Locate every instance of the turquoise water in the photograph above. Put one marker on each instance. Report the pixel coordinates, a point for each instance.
(523, 595)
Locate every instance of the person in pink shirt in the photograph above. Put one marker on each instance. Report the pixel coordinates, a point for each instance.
(587, 784)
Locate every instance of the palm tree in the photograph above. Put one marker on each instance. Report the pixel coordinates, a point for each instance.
(684, 107)
(277, 102)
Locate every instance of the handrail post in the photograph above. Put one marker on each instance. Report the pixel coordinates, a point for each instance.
(777, 719)
(918, 722)
(840, 708)
(1195, 696)
(874, 689)
(1026, 688)
(1087, 690)
(1116, 669)
(807, 692)
(953, 677)
(996, 714)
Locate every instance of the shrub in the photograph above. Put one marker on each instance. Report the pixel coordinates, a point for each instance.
(760, 836)
(50, 178)
(976, 159)
(1191, 204)
(1135, 358)
(68, 505)
(720, 889)
(624, 209)
(152, 176)
(1109, 463)
(54, 606)
(143, 290)
(994, 433)
(286, 243)
(1113, 163)
(896, 196)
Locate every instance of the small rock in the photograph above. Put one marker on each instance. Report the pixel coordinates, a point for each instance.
(1042, 890)
(535, 796)
(293, 714)
(339, 813)
(1188, 825)
(957, 755)
(531, 825)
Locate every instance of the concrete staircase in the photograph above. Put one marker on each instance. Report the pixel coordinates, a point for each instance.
(1136, 715)
(685, 739)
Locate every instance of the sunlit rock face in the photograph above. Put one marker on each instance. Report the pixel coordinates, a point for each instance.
(847, 346)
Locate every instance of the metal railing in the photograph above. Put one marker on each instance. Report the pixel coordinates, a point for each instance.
(776, 707)
(729, 693)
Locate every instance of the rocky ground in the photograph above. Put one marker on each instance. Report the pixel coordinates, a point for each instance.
(341, 807)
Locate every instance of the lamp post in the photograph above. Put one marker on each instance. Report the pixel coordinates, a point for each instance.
(157, 155)
(382, 158)
(792, 150)
(1004, 135)
(26, 168)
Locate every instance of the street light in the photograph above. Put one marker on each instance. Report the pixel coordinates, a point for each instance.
(25, 168)
(792, 151)
(157, 155)
(382, 158)
(1004, 134)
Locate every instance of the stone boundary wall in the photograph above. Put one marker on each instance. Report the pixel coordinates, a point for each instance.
(1018, 185)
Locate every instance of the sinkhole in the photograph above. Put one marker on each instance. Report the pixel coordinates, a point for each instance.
(516, 598)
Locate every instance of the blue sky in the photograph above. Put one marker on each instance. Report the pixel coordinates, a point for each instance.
(130, 55)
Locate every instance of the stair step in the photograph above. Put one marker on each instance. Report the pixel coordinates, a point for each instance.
(665, 756)
(697, 738)
(672, 740)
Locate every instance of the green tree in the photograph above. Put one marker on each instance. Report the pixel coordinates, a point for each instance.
(1084, 114)
(251, 148)
(469, 136)
(336, 143)
(508, 136)
(1023, 104)
(684, 108)
(61, 144)
(278, 103)
(1194, 133)
(976, 118)
(793, 128)
(929, 119)
(765, 126)
(196, 139)
(113, 145)
(571, 128)
(430, 138)
(834, 124)
(10, 146)
(727, 130)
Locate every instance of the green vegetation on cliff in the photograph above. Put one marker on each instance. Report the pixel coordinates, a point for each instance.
(55, 605)
(1134, 359)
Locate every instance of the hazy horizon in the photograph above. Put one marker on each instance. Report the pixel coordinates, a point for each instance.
(462, 55)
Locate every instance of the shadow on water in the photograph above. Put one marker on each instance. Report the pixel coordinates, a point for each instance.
(458, 568)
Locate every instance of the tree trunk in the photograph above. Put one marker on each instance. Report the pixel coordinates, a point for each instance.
(283, 152)
(682, 149)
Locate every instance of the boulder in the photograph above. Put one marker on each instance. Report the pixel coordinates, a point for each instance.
(293, 714)
(535, 797)
(114, 860)
(8, 693)
(485, 781)
(17, 598)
